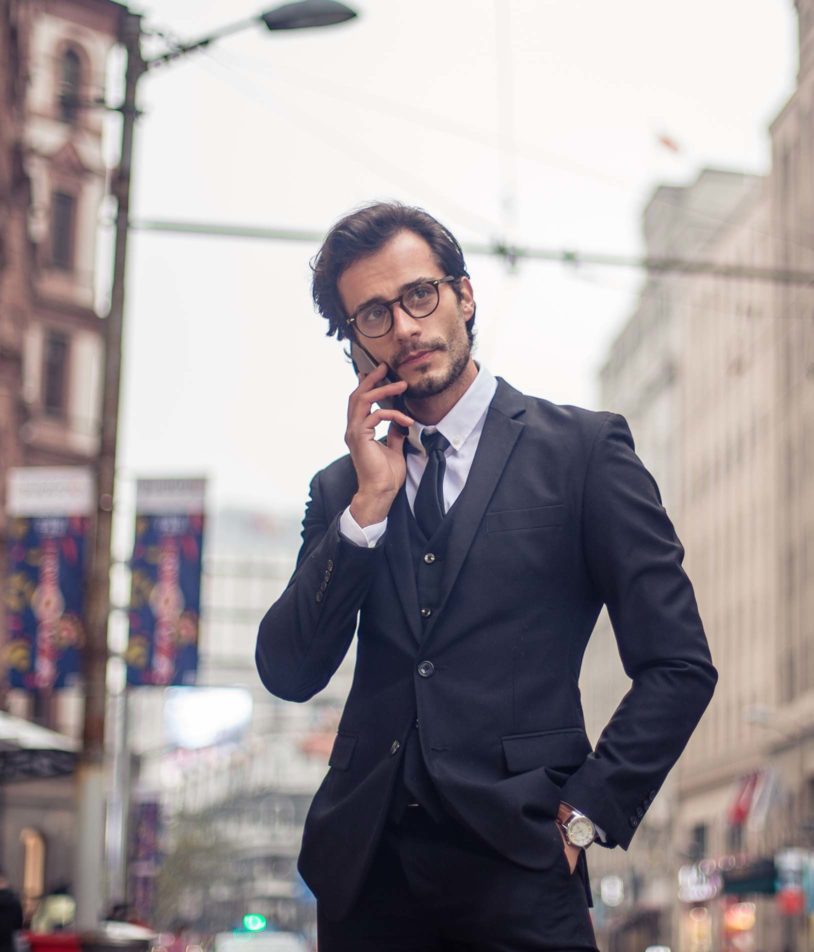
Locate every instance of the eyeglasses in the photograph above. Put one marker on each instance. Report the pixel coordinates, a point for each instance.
(419, 300)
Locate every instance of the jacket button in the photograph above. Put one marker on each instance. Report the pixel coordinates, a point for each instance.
(634, 822)
(327, 575)
(323, 586)
(426, 669)
(330, 565)
(639, 812)
(426, 612)
(394, 747)
(429, 558)
(652, 794)
(318, 597)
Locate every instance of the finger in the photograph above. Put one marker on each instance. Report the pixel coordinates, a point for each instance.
(395, 416)
(369, 380)
(362, 398)
(382, 393)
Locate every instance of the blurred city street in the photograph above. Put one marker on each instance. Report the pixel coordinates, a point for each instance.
(633, 187)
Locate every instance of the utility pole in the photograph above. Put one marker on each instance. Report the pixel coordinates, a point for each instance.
(90, 776)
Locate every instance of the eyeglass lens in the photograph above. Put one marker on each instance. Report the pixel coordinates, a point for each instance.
(420, 300)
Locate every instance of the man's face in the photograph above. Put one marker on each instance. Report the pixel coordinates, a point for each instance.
(430, 353)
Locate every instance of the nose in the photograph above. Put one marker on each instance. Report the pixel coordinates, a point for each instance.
(404, 326)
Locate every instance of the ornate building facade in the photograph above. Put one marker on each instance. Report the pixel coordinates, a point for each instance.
(53, 63)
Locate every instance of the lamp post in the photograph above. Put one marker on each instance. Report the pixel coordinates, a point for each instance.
(304, 14)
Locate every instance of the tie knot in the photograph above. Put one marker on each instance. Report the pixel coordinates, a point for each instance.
(434, 442)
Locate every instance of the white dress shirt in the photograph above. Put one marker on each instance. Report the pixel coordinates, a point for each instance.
(462, 426)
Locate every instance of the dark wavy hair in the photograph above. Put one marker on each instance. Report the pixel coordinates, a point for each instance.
(364, 232)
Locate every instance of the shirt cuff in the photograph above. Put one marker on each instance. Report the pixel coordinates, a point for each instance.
(367, 538)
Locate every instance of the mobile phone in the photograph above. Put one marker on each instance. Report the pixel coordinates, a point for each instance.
(364, 363)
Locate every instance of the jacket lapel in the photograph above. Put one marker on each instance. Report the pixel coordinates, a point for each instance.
(501, 431)
(398, 552)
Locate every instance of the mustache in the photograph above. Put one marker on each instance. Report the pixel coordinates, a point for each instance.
(408, 352)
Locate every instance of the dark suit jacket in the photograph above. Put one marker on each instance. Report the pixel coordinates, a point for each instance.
(558, 516)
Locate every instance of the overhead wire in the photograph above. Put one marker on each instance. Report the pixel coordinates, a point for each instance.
(795, 239)
(334, 139)
(572, 258)
(452, 126)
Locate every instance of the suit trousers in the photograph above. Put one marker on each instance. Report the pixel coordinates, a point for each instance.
(436, 887)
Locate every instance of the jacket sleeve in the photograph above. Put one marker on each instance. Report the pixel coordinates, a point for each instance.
(635, 561)
(306, 633)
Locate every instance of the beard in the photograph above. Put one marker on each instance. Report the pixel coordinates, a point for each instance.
(433, 384)
(459, 351)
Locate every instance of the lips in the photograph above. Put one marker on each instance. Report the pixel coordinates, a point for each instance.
(415, 358)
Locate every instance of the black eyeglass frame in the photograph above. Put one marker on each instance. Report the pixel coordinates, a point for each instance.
(435, 282)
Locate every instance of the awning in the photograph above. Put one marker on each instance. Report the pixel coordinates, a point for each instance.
(28, 751)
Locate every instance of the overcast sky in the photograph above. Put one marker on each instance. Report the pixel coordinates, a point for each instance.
(537, 119)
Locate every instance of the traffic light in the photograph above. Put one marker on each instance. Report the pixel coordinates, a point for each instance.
(254, 922)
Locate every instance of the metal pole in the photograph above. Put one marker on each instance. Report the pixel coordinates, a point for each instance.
(90, 778)
(118, 808)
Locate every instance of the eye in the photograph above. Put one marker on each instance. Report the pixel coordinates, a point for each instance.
(420, 293)
(373, 315)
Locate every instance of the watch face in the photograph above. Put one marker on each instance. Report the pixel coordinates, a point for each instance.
(581, 831)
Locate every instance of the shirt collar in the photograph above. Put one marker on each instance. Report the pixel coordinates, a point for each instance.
(462, 419)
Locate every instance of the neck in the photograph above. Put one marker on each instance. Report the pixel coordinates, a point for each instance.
(433, 409)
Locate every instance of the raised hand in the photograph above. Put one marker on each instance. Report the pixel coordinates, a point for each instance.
(380, 467)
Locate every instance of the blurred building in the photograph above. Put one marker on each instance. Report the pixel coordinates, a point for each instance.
(53, 59)
(52, 183)
(233, 809)
(644, 377)
(716, 375)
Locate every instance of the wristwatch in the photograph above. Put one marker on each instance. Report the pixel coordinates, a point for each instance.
(579, 830)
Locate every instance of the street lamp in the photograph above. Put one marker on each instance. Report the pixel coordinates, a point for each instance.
(305, 14)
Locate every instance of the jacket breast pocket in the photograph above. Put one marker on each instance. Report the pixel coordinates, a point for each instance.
(565, 748)
(342, 751)
(540, 517)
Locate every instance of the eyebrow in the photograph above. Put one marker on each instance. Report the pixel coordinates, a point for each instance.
(380, 298)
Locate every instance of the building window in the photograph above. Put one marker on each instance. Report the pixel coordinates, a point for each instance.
(698, 842)
(70, 85)
(63, 216)
(55, 398)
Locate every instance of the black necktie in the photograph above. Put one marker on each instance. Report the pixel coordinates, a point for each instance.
(429, 500)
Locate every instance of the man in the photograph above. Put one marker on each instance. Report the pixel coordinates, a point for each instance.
(475, 546)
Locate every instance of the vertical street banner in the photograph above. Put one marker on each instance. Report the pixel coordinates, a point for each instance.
(49, 513)
(165, 594)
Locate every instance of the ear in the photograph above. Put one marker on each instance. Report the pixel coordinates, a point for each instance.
(467, 299)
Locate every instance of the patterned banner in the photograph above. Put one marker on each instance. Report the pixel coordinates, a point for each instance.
(165, 598)
(45, 577)
(44, 589)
